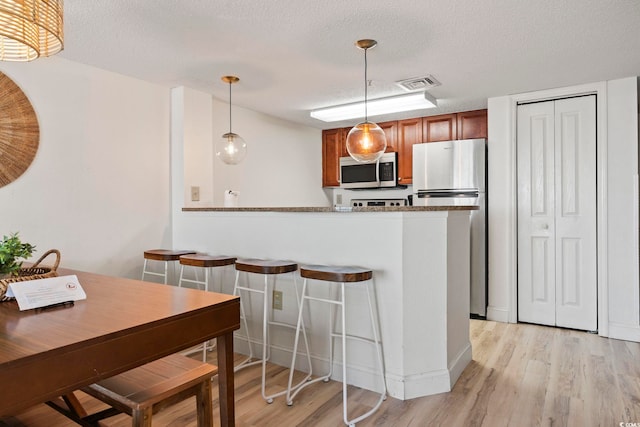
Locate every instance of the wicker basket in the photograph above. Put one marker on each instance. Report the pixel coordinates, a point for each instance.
(31, 273)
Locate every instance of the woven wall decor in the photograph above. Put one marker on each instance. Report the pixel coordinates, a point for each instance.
(19, 131)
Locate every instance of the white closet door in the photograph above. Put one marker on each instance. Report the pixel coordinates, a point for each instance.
(536, 214)
(576, 262)
(557, 277)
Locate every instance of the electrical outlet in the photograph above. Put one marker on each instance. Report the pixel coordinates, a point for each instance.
(338, 199)
(195, 194)
(277, 300)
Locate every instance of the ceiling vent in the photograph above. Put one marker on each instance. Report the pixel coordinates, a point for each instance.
(418, 83)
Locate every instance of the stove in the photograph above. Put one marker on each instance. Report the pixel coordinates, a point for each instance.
(359, 203)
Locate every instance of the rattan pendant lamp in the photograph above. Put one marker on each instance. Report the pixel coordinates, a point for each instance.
(231, 149)
(30, 29)
(366, 142)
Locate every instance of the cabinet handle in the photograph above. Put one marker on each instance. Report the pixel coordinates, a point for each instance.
(400, 179)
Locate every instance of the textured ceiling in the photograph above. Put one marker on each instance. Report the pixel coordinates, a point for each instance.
(296, 55)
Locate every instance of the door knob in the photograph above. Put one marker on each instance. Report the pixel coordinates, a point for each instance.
(545, 226)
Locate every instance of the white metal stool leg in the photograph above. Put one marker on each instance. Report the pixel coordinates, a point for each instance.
(236, 292)
(343, 319)
(144, 269)
(197, 262)
(153, 273)
(268, 321)
(205, 346)
(266, 349)
(292, 391)
(196, 281)
(340, 302)
(378, 346)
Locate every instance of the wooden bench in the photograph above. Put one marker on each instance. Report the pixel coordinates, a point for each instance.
(145, 390)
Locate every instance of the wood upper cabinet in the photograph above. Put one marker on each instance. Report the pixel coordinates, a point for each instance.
(439, 128)
(391, 132)
(343, 144)
(472, 124)
(332, 149)
(401, 135)
(409, 133)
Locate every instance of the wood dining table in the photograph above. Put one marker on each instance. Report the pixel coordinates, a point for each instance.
(122, 324)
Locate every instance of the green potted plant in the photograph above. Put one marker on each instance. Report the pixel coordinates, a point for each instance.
(12, 253)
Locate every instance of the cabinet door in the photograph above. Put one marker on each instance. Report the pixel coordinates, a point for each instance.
(332, 148)
(391, 132)
(409, 133)
(472, 124)
(439, 128)
(343, 143)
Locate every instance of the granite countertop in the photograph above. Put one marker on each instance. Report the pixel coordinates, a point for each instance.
(334, 209)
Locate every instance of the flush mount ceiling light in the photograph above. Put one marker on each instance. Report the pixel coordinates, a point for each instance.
(366, 142)
(30, 29)
(376, 107)
(231, 149)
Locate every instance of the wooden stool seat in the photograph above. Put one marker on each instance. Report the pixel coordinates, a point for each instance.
(205, 260)
(147, 389)
(162, 255)
(336, 273)
(165, 254)
(265, 266)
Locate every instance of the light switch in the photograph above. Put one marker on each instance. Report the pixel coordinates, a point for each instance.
(195, 193)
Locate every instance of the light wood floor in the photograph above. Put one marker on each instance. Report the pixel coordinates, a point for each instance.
(521, 375)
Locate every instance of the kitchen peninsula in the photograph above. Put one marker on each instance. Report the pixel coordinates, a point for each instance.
(420, 259)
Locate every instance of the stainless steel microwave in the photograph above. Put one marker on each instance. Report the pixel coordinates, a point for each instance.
(383, 173)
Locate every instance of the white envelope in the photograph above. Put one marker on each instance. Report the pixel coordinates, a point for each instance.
(46, 292)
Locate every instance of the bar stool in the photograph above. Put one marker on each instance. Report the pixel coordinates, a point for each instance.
(206, 262)
(338, 275)
(162, 255)
(267, 268)
(203, 261)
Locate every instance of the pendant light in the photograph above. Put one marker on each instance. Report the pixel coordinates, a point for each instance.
(231, 149)
(30, 29)
(366, 142)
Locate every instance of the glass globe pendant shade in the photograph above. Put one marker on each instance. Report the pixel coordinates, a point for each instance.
(366, 142)
(231, 149)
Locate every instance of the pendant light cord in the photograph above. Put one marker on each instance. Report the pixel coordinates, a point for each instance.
(365, 85)
(230, 131)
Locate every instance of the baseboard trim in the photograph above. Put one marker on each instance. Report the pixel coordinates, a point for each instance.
(459, 363)
(498, 314)
(398, 386)
(621, 331)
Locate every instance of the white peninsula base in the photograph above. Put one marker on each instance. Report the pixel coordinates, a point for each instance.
(420, 260)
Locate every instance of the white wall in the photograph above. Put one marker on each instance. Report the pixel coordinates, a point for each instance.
(99, 186)
(283, 166)
(622, 225)
(191, 113)
(617, 165)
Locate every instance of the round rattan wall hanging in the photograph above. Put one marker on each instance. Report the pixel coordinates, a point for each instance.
(19, 131)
